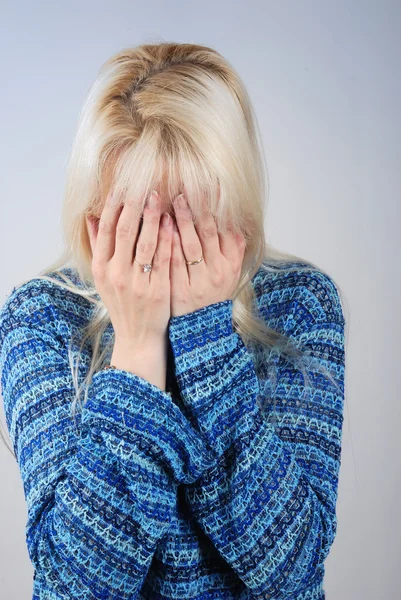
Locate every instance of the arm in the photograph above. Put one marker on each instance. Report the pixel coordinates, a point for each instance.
(99, 500)
(269, 504)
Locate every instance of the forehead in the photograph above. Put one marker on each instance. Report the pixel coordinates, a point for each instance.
(161, 187)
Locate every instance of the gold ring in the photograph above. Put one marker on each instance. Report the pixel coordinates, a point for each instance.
(194, 262)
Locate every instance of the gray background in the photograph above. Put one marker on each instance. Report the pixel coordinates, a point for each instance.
(324, 78)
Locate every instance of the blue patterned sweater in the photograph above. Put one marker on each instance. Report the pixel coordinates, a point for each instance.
(193, 493)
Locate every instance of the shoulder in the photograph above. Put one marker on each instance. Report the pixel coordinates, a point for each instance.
(295, 293)
(41, 303)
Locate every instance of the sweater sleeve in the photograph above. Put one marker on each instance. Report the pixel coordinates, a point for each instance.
(98, 501)
(269, 504)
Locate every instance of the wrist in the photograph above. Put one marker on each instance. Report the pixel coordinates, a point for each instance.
(140, 347)
(147, 361)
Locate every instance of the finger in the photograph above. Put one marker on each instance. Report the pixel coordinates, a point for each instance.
(190, 243)
(232, 246)
(206, 230)
(127, 229)
(147, 241)
(105, 240)
(160, 273)
(178, 268)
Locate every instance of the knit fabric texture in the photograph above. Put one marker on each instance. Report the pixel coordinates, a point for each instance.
(199, 492)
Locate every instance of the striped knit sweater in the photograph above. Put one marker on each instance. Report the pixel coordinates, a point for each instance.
(197, 492)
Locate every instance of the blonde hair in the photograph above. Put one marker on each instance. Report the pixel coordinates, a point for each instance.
(179, 109)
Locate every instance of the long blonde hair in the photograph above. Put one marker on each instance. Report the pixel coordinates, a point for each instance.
(179, 109)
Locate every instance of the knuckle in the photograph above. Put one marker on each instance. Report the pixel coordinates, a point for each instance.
(181, 297)
(105, 226)
(165, 232)
(177, 261)
(145, 246)
(124, 230)
(194, 249)
(119, 280)
(162, 258)
(158, 295)
(236, 268)
(130, 201)
(208, 230)
(138, 292)
(186, 218)
(217, 279)
(152, 217)
(98, 269)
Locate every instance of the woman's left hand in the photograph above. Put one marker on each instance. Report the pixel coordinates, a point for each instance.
(216, 277)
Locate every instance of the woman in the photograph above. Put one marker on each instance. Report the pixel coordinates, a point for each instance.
(206, 457)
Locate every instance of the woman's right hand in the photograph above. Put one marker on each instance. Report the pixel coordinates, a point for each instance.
(138, 302)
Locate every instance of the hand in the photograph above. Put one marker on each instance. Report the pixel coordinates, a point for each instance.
(216, 277)
(138, 302)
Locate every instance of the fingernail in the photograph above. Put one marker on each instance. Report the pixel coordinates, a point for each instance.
(181, 202)
(114, 199)
(166, 219)
(153, 200)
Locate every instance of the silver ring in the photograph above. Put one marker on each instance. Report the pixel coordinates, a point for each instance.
(146, 267)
